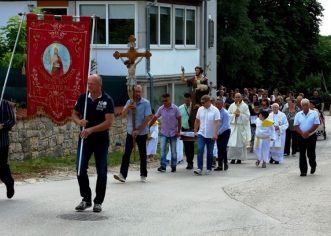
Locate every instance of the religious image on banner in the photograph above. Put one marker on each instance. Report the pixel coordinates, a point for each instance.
(57, 68)
(56, 60)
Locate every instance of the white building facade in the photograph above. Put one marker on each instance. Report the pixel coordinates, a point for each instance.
(177, 33)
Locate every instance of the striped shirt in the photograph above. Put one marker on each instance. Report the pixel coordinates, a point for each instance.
(7, 120)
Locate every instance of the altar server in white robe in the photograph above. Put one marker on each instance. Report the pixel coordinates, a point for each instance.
(264, 133)
(280, 124)
(240, 130)
(180, 151)
(152, 139)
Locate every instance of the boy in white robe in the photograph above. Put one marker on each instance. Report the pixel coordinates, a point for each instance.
(152, 139)
(264, 133)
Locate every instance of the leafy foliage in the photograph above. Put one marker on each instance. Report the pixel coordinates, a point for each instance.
(270, 43)
(8, 36)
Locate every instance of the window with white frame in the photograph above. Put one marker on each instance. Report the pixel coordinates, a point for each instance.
(114, 24)
(154, 19)
(165, 25)
(190, 27)
(121, 23)
(184, 26)
(160, 25)
(179, 26)
(100, 24)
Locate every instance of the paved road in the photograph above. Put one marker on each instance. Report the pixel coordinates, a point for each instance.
(245, 200)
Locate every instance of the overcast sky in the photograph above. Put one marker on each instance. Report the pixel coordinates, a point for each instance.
(325, 28)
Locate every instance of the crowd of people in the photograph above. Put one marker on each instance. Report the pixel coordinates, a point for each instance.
(225, 127)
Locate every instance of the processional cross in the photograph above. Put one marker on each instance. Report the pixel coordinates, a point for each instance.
(132, 55)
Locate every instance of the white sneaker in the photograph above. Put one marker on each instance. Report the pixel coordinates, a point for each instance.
(143, 179)
(119, 177)
(198, 172)
(208, 172)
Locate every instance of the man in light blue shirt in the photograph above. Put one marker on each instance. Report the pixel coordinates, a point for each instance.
(305, 123)
(223, 136)
(143, 114)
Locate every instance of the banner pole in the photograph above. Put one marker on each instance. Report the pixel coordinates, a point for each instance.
(12, 56)
(86, 94)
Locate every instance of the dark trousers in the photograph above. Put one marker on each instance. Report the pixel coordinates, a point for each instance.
(291, 140)
(100, 150)
(307, 146)
(222, 143)
(141, 143)
(189, 150)
(5, 174)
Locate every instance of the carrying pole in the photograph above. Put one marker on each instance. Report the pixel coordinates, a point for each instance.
(86, 95)
(12, 55)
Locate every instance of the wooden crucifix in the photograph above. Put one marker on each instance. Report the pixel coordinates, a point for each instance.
(133, 58)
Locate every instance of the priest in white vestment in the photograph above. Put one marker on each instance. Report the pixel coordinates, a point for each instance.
(240, 130)
(281, 124)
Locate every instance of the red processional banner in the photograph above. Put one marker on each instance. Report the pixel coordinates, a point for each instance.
(57, 63)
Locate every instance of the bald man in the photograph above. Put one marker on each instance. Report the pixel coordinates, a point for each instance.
(94, 132)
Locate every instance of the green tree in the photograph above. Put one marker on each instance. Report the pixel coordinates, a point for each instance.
(8, 36)
(238, 52)
(269, 43)
(292, 30)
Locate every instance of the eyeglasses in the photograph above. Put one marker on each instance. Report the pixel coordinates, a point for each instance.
(164, 101)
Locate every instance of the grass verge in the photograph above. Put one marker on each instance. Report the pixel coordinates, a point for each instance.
(46, 166)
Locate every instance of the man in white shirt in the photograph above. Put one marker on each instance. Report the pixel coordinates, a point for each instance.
(206, 127)
(305, 123)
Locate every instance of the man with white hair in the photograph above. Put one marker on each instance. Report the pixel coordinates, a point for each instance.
(306, 122)
(280, 124)
(240, 130)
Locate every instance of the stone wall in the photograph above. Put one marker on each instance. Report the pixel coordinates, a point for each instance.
(40, 137)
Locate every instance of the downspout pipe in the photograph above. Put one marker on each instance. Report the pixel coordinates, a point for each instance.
(205, 36)
(148, 47)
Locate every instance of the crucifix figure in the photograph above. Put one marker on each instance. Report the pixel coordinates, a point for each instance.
(133, 58)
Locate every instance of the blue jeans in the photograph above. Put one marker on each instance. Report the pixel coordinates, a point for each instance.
(100, 150)
(163, 145)
(209, 142)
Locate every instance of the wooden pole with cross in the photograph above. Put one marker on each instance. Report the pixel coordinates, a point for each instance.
(133, 58)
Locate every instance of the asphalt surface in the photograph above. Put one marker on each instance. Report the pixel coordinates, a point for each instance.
(245, 200)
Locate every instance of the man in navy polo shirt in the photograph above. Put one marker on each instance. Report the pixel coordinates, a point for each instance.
(143, 115)
(99, 118)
